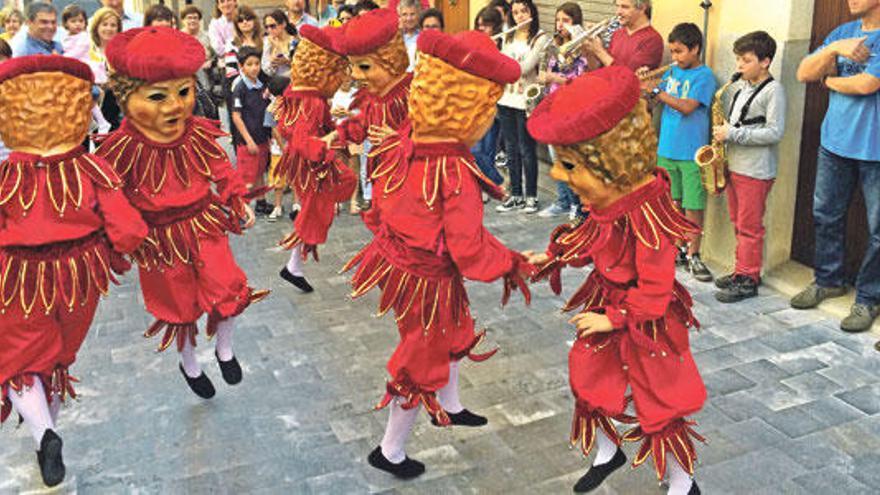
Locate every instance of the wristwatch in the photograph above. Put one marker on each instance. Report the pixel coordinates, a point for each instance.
(655, 93)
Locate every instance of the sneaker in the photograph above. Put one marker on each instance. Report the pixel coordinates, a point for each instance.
(510, 204)
(860, 319)
(553, 210)
(531, 206)
(681, 258)
(501, 159)
(294, 211)
(813, 295)
(276, 213)
(698, 269)
(741, 287)
(725, 281)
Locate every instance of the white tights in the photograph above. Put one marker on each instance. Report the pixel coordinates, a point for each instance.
(32, 406)
(400, 425)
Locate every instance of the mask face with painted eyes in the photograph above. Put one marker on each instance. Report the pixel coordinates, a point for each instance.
(370, 74)
(160, 110)
(571, 167)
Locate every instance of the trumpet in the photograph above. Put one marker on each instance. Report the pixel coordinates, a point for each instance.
(511, 29)
(654, 74)
(579, 35)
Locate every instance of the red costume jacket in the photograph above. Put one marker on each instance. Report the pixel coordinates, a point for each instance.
(186, 265)
(63, 222)
(171, 184)
(631, 244)
(391, 111)
(320, 180)
(429, 237)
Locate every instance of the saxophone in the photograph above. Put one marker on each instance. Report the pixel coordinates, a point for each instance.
(712, 158)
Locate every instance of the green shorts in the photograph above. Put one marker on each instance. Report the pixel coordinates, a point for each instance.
(687, 186)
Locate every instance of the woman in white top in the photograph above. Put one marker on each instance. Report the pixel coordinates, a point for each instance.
(525, 45)
(103, 26)
(221, 30)
(279, 44)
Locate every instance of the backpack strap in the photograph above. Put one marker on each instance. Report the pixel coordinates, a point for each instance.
(761, 119)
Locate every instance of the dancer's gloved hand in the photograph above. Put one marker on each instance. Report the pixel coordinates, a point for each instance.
(249, 218)
(537, 259)
(310, 249)
(515, 279)
(591, 323)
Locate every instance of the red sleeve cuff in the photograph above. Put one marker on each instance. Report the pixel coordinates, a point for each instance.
(617, 317)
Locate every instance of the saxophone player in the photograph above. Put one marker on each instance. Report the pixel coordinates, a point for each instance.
(752, 134)
(560, 70)
(686, 94)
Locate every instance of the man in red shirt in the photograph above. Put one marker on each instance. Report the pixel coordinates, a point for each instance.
(636, 44)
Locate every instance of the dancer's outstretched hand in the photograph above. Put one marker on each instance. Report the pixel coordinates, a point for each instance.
(249, 218)
(536, 259)
(591, 323)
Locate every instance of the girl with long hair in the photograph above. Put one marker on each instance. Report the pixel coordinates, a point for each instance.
(525, 45)
(279, 44)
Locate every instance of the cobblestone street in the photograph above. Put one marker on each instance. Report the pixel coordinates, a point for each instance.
(793, 402)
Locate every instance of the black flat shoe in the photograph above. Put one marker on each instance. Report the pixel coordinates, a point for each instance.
(695, 490)
(405, 470)
(200, 385)
(463, 418)
(299, 282)
(49, 457)
(230, 370)
(597, 474)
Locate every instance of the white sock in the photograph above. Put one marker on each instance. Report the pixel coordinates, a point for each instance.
(400, 424)
(294, 264)
(606, 448)
(103, 125)
(679, 480)
(55, 407)
(448, 395)
(224, 338)
(32, 406)
(189, 361)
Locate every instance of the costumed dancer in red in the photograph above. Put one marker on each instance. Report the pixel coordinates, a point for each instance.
(374, 46)
(63, 222)
(430, 237)
(181, 180)
(320, 180)
(633, 315)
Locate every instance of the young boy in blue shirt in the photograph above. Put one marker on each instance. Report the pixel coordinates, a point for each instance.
(686, 92)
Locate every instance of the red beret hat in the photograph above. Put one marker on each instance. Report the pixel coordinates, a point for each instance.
(155, 53)
(472, 52)
(367, 32)
(585, 108)
(326, 37)
(33, 64)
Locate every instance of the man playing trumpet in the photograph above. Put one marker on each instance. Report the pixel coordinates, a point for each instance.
(636, 44)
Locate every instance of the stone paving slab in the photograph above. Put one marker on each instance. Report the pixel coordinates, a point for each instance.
(794, 404)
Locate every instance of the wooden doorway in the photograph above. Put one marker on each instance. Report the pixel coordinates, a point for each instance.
(828, 14)
(456, 15)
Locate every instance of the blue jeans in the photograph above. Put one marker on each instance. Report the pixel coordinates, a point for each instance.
(836, 181)
(484, 153)
(522, 158)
